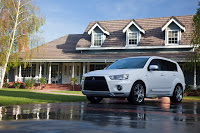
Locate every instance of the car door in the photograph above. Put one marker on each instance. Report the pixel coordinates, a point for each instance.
(166, 74)
(169, 71)
(155, 79)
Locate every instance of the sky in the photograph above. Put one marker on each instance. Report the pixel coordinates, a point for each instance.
(65, 17)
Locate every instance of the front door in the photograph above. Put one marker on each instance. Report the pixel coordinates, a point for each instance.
(55, 73)
(67, 72)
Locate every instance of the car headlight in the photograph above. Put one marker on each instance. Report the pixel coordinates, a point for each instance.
(119, 77)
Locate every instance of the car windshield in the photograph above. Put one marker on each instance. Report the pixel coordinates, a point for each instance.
(129, 63)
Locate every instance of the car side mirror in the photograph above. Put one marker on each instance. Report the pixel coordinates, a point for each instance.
(153, 67)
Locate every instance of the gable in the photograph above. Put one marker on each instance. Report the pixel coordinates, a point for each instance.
(173, 26)
(174, 20)
(97, 30)
(133, 28)
(100, 27)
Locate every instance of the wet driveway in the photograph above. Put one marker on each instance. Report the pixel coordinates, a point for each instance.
(107, 117)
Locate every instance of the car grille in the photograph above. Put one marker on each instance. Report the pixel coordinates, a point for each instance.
(95, 84)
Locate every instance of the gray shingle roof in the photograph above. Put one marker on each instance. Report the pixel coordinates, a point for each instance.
(153, 34)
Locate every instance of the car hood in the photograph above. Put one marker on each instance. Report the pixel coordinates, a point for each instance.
(110, 72)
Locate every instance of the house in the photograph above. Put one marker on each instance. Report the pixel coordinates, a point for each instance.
(104, 42)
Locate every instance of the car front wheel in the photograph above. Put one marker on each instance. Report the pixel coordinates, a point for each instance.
(93, 99)
(137, 93)
(177, 95)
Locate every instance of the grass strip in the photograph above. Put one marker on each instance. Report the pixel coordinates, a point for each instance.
(25, 96)
(191, 98)
(70, 92)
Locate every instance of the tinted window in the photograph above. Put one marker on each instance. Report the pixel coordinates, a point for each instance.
(164, 65)
(156, 62)
(129, 63)
(168, 66)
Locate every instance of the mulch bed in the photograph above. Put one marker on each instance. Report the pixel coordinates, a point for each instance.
(194, 93)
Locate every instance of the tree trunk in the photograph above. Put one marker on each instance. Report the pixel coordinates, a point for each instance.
(11, 44)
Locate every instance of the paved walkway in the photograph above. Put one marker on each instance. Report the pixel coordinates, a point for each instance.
(50, 91)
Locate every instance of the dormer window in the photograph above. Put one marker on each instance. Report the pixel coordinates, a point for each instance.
(98, 39)
(98, 35)
(173, 30)
(133, 38)
(133, 35)
(173, 37)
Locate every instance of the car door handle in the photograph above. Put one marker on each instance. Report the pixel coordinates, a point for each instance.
(174, 74)
(162, 74)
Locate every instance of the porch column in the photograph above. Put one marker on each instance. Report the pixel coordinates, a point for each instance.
(73, 71)
(40, 74)
(20, 72)
(49, 81)
(88, 67)
(195, 77)
(83, 67)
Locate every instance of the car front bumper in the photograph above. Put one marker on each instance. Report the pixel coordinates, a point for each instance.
(112, 88)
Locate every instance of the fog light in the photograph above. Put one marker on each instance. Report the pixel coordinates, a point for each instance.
(119, 87)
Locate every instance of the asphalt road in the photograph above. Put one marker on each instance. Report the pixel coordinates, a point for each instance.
(109, 116)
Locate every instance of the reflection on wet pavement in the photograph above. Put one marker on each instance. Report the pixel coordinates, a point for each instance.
(152, 116)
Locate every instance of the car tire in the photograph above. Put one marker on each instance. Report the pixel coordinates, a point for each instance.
(137, 93)
(93, 99)
(177, 94)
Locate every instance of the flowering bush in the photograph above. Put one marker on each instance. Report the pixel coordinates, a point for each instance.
(17, 84)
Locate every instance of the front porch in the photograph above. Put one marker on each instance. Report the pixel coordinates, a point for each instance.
(54, 72)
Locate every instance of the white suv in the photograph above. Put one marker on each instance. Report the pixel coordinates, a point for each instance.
(135, 78)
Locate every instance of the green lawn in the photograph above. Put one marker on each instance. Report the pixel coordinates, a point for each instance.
(191, 98)
(71, 92)
(25, 96)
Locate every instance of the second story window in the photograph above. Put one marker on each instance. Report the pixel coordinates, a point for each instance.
(98, 39)
(173, 37)
(133, 38)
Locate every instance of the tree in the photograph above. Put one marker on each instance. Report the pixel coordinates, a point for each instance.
(194, 59)
(19, 22)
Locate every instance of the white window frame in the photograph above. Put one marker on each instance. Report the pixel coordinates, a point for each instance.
(167, 37)
(29, 73)
(93, 39)
(127, 38)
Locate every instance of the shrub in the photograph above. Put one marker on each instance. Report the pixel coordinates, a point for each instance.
(73, 82)
(29, 83)
(187, 90)
(42, 81)
(5, 85)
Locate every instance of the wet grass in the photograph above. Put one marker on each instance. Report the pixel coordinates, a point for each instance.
(70, 92)
(197, 98)
(25, 96)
